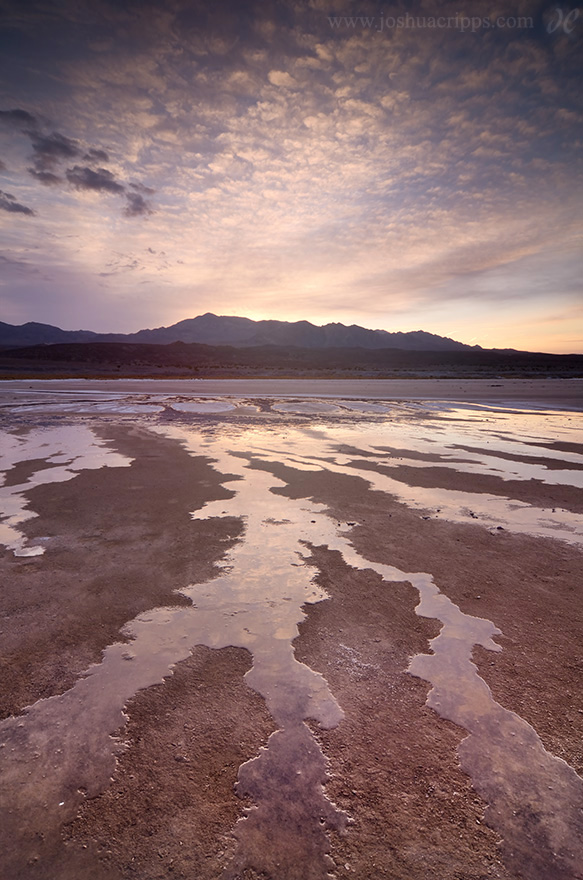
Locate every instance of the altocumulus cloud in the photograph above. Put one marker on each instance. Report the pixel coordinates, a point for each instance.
(358, 173)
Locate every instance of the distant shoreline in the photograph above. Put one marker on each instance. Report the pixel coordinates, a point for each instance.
(557, 393)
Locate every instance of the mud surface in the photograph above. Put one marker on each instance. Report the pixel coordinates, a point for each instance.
(530, 587)
(170, 810)
(122, 541)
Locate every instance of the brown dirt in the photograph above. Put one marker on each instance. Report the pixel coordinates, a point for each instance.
(394, 764)
(171, 808)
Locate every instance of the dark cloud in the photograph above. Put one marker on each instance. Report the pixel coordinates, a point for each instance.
(49, 150)
(100, 180)
(46, 177)
(96, 155)
(2, 166)
(9, 203)
(146, 190)
(18, 118)
(136, 205)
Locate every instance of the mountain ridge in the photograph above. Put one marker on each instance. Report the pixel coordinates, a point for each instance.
(211, 329)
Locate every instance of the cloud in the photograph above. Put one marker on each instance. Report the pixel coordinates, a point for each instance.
(101, 180)
(282, 79)
(136, 205)
(46, 177)
(96, 155)
(18, 118)
(17, 267)
(49, 150)
(146, 190)
(8, 203)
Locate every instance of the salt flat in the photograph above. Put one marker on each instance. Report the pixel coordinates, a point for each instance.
(555, 392)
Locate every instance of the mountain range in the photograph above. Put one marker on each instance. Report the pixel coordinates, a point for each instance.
(212, 329)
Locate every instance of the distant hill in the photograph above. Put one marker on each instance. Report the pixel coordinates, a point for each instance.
(212, 329)
(40, 334)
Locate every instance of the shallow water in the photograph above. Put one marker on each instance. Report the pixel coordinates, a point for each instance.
(202, 406)
(323, 447)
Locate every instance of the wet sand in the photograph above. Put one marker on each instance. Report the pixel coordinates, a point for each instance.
(119, 541)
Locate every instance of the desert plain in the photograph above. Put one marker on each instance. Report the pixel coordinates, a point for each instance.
(280, 630)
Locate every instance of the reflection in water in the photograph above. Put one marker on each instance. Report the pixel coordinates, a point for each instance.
(454, 505)
(535, 800)
(257, 604)
(203, 406)
(52, 407)
(490, 511)
(284, 835)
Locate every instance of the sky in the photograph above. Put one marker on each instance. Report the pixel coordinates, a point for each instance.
(399, 166)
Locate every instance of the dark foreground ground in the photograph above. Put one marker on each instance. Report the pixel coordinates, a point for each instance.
(124, 359)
